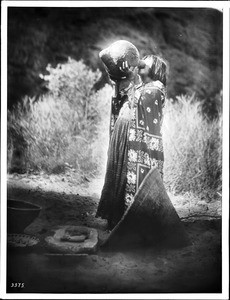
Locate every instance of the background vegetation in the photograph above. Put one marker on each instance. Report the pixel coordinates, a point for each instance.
(68, 128)
(189, 39)
(64, 128)
(58, 117)
(192, 146)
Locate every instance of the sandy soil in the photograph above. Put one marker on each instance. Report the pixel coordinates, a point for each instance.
(192, 269)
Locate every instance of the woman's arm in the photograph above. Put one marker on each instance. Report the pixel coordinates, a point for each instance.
(116, 104)
(121, 88)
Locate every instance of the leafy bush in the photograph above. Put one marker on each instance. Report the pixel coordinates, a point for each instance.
(192, 146)
(61, 127)
(74, 82)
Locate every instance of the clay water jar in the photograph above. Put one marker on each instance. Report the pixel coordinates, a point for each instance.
(118, 52)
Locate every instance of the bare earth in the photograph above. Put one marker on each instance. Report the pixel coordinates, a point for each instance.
(192, 269)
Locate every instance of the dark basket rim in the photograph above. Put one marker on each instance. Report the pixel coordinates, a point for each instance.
(35, 208)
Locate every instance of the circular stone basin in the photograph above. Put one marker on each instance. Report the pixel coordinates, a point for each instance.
(73, 239)
(20, 214)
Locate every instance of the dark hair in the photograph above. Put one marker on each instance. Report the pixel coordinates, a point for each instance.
(158, 68)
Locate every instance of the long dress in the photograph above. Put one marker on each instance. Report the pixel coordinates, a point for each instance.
(112, 205)
(135, 147)
(145, 146)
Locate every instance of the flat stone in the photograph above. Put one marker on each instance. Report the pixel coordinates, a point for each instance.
(57, 245)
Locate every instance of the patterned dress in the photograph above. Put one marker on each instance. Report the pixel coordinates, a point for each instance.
(135, 147)
(145, 146)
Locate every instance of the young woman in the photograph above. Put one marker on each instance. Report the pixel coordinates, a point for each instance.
(135, 143)
(145, 149)
(112, 201)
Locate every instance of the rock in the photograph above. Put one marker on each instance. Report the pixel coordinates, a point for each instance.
(99, 223)
(219, 211)
(202, 205)
(89, 245)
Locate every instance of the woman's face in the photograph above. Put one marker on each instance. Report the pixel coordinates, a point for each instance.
(144, 73)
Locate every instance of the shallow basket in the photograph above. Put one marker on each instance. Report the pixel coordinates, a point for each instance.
(17, 240)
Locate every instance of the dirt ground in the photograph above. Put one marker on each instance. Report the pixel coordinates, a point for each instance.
(192, 269)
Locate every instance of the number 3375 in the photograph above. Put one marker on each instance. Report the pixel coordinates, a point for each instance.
(17, 285)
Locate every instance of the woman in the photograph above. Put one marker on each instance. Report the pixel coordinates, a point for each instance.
(145, 149)
(112, 202)
(134, 161)
(125, 150)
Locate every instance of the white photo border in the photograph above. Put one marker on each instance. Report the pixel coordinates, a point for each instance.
(223, 6)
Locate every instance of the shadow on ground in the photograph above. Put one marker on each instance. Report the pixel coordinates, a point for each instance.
(192, 269)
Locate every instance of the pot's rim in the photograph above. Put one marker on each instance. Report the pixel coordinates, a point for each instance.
(35, 206)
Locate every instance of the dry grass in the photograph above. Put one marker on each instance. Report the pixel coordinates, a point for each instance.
(192, 145)
(69, 128)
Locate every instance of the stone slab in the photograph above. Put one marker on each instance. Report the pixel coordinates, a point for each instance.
(89, 245)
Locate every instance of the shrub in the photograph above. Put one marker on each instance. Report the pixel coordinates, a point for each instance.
(61, 127)
(74, 82)
(192, 146)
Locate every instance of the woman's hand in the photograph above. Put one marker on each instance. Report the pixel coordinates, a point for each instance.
(129, 71)
(131, 77)
(124, 67)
